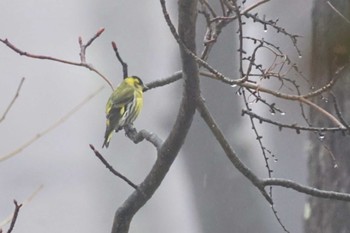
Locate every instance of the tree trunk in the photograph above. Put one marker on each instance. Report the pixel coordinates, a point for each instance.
(331, 46)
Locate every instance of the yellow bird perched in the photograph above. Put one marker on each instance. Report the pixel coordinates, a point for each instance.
(123, 106)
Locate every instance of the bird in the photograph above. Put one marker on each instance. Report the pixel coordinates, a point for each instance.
(123, 106)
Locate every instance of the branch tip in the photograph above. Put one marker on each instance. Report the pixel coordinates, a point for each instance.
(114, 45)
(99, 32)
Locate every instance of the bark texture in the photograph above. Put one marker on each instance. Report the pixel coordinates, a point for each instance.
(330, 53)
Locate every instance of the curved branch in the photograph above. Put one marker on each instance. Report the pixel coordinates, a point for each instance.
(170, 148)
(82, 62)
(137, 137)
(307, 190)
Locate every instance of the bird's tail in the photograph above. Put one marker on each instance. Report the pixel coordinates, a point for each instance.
(105, 143)
(108, 136)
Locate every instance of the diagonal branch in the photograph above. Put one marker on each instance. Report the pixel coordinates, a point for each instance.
(111, 169)
(15, 215)
(158, 83)
(228, 149)
(338, 12)
(13, 100)
(52, 127)
(25, 202)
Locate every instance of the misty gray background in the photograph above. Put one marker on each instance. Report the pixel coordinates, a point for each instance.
(79, 194)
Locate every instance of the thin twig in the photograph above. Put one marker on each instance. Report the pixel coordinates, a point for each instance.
(25, 202)
(253, 6)
(235, 8)
(296, 127)
(82, 62)
(324, 112)
(52, 127)
(281, 95)
(13, 100)
(306, 190)
(338, 112)
(15, 215)
(83, 46)
(111, 169)
(124, 65)
(228, 149)
(338, 12)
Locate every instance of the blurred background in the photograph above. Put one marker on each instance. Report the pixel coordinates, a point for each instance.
(202, 192)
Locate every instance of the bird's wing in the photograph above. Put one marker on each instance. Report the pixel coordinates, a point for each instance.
(119, 98)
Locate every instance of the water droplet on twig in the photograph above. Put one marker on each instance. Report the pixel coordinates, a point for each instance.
(321, 136)
(325, 99)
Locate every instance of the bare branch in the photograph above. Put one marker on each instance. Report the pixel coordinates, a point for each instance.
(82, 63)
(111, 169)
(338, 112)
(137, 137)
(253, 6)
(338, 12)
(158, 83)
(228, 149)
(52, 127)
(83, 46)
(324, 112)
(171, 146)
(295, 127)
(124, 65)
(307, 190)
(15, 215)
(300, 98)
(25, 202)
(13, 100)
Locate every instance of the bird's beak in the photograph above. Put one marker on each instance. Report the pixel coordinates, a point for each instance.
(145, 88)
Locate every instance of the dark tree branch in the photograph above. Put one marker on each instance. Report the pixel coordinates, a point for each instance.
(124, 65)
(137, 137)
(158, 83)
(171, 146)
(15, 215)
(307, 190)
(111, 169)
(295, 127)
(239, 165)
